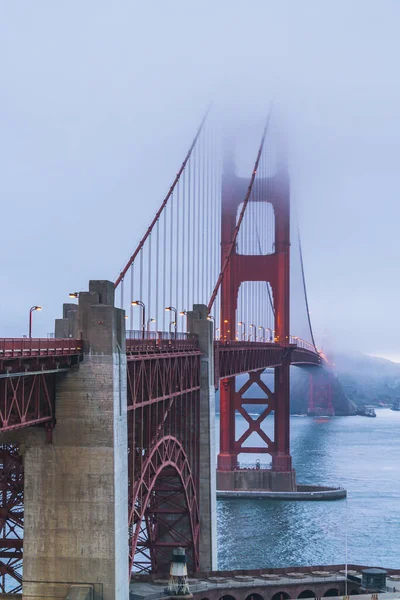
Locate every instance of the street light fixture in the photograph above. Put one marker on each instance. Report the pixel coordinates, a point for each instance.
(141, 304)
(172, 309)
(253, 327)
(149, 321)
(211, 318)
(243, 324)
(263, 332)
(31, 310)
(183, 313)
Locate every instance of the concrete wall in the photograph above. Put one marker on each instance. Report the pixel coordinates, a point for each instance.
(267, 592)
(256, 479)
(76, 489)
(198, 324)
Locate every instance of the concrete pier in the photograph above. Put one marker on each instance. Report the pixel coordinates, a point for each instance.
(76, 488)
(198, 323)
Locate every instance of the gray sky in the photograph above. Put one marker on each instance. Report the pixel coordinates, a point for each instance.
(98, 101)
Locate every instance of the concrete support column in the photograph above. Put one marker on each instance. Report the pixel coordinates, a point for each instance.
(76, 489)
(67, 326)
(197, 323)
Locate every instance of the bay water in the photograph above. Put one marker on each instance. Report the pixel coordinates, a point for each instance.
(359, 453)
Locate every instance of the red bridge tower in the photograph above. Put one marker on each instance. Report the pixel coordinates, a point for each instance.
(273, 268)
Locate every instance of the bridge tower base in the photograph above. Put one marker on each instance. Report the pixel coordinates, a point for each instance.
(76, 488)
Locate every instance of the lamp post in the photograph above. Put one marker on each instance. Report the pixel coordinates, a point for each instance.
(31, 310)
(242, 324)
(149, 322)
(263, 332)
(211, 318)
(183, 313)
(253, 333)
(217, 329)
(141, 304)
(172, 309)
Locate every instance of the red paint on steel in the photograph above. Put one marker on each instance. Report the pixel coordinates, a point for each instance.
(274, 269)
(164, 510)
(11, 518)
(267, 401)
(163, 465)
(27, 347)
(26, 400)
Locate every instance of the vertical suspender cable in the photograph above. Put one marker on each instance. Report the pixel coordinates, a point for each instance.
(177, 234)
(189, 237)
(149, 280)
(164, 287)
(132, 298)
(185, 246)
(194, 216)
(171, 238)
(157, 270)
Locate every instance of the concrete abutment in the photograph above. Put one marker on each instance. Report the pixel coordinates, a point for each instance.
(76, 488)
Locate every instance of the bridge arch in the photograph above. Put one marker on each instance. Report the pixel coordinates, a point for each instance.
(332, 592)
(164, 508)
(281, 596)
(307, 594)
(254, 597)
(227, 597)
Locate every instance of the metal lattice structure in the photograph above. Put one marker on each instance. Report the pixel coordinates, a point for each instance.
(11, 518)
(163, 439)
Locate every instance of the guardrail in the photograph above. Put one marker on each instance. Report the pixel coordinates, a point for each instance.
(138, 334)
(155, 342)
(25, 347)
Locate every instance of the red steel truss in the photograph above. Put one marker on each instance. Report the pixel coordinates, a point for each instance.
(163, 441)
(254, 425)
(28, 368)
(234, 358)
(26, 400)
(11, 518)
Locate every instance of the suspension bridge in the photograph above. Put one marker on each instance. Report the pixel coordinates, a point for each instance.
(107, 455)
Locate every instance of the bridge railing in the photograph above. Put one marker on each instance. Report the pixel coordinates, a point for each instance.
(138, 342)
(302, 343)
(25, 347)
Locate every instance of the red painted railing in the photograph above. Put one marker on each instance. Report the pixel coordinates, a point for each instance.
(159, 341)
(25, 347)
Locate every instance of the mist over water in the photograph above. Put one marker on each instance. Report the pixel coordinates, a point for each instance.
(360, 454)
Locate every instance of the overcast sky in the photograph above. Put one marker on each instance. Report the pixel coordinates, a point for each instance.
(99, 100)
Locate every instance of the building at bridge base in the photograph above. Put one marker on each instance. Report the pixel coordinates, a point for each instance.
(76, 488)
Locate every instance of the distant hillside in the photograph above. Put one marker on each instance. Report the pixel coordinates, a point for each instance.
(368, 379)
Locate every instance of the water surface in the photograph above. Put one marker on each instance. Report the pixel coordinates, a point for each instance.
(358, 453)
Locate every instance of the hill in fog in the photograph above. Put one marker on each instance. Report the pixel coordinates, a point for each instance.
(368, 379)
